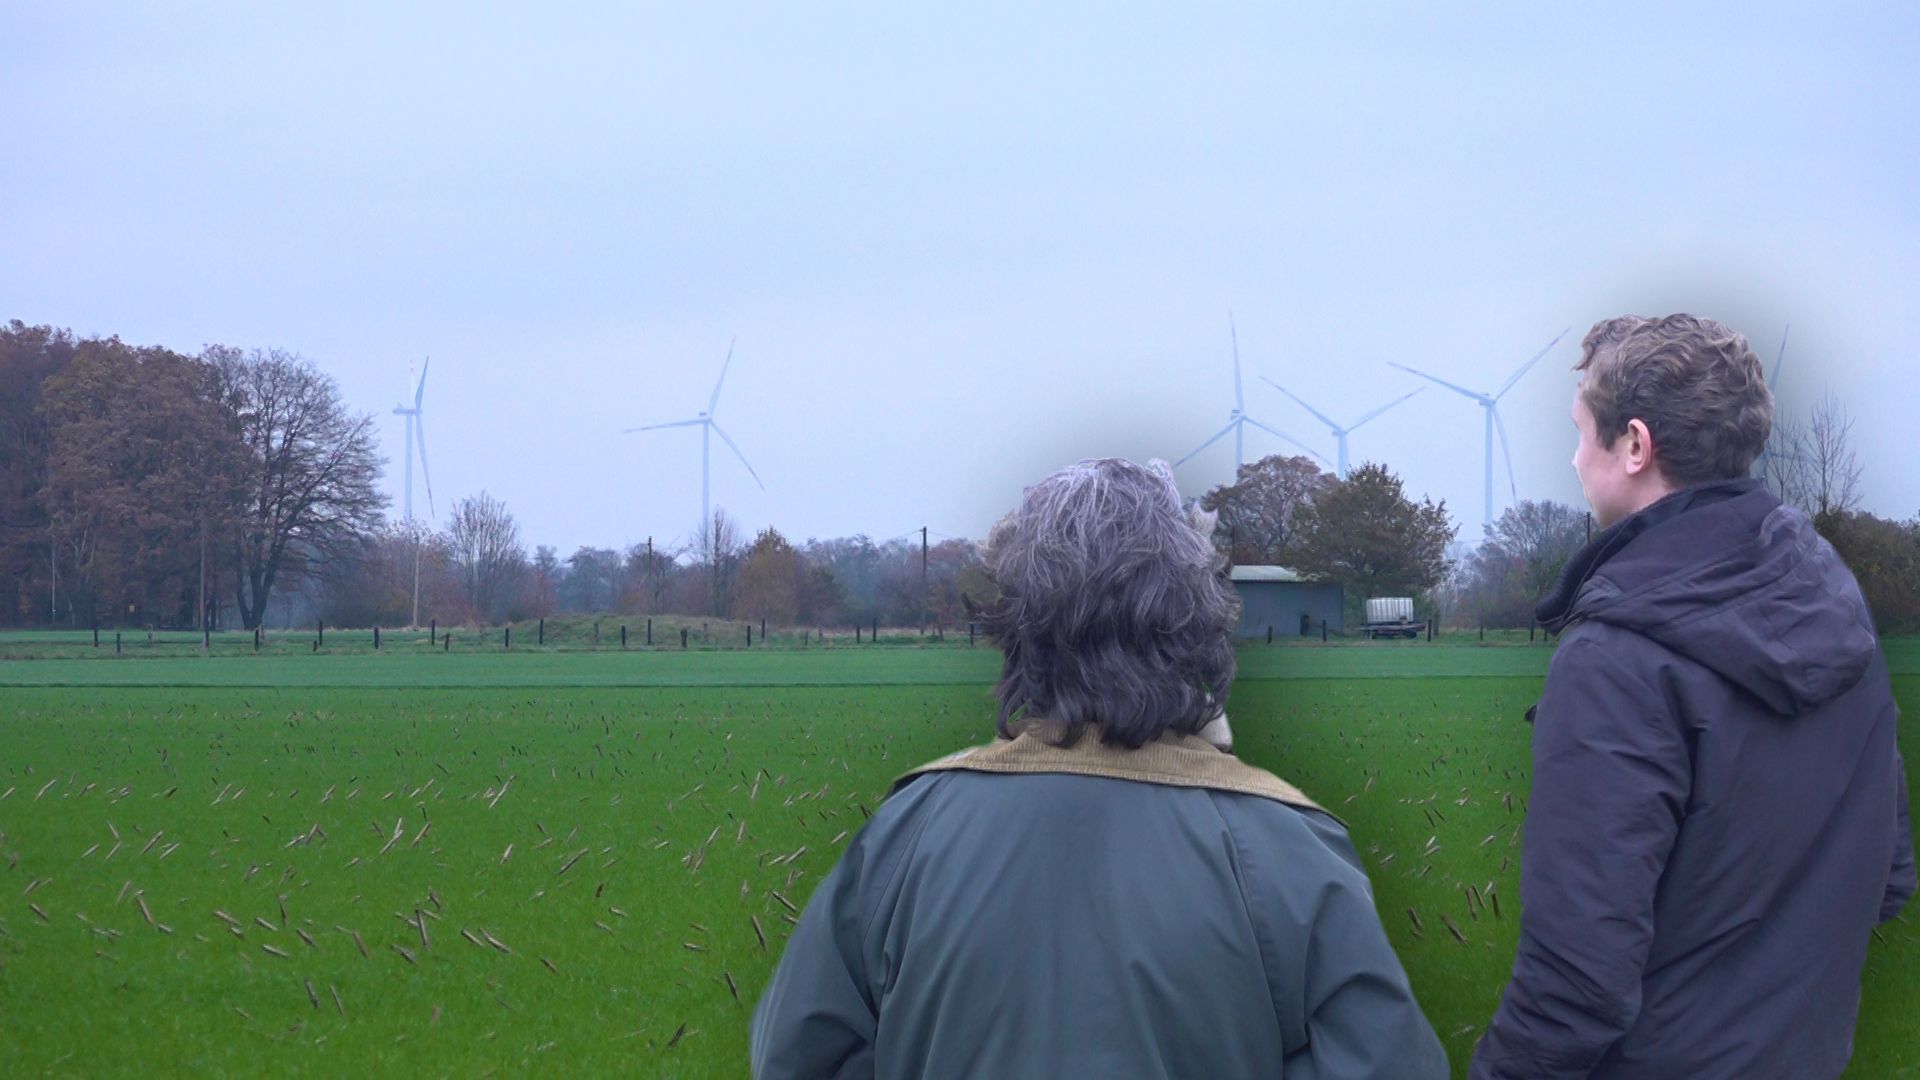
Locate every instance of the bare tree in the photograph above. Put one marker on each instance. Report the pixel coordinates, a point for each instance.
(1541, 536)
(649, 574)
(1834, 467)
(311, 492)
(486, 548)
(721, 541)
(1811, 464)
(1518, 562)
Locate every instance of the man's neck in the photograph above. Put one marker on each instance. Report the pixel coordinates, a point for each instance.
(1652, 491)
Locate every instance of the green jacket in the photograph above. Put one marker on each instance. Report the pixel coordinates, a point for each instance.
(1026, 910)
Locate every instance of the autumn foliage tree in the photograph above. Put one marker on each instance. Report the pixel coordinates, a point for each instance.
(771, 577)
(143, 475)
(1885, 558)
(1365, 533)
(1257, 512)
(29, 356)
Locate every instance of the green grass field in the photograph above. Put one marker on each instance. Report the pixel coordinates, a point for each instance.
(474, 861)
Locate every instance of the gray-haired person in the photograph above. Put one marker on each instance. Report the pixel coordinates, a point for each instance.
(1101, 892)
(1719, 809)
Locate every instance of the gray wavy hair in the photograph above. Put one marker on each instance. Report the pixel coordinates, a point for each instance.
(1113, 610)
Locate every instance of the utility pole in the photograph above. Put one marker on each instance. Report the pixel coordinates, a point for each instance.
(416, 554)
(53, 559)
(203, 584)
(924, 596)
(650, 592)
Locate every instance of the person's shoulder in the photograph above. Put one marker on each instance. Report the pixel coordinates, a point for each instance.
(1593, 643)
(1299, 837)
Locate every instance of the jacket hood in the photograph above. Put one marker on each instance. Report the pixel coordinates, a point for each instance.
(1727, 576)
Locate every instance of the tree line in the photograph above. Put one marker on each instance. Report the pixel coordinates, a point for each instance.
(478, 570)
(142, 487)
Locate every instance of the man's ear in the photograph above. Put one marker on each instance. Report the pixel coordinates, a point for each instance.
(1638, 452)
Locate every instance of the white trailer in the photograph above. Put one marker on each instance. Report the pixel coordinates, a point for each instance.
(1392, 616)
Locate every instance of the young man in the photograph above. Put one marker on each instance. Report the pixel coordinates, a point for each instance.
(1719, 812)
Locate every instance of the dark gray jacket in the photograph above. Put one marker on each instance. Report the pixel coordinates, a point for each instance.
(1719, 812)
(1053, 925)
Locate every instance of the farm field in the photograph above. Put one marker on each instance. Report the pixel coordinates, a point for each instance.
(462, 863)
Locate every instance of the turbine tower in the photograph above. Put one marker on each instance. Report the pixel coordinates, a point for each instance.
(416, 435)
(1340, 433)
(1238, 418)
(708, 427)
(1491, 403)
(1773, 383)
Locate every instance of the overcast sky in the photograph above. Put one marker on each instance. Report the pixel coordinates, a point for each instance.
(960, 250)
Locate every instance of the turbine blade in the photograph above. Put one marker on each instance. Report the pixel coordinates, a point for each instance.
(1322, 417)
(420, 438)
(715, 399)
(656, 427)
(1500, 425)
(1289, 438)
(1239, 399)
(717, 430)
(1528, 366)
(421, 390)
(1474, 394)
(1221, 434)
(1780, 361)
(1384, 408)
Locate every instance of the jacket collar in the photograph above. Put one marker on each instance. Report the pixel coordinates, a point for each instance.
(1174, 760)
(1559, 608)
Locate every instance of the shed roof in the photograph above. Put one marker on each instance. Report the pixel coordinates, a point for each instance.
(1263, 573)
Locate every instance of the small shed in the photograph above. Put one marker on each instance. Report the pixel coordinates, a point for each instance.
(1277, 597)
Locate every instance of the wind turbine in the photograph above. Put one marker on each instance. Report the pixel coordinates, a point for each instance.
(1340, 433)
(416, 435)
(1491, 403)
(1773, 382)
(708, 427)
(1238, 418)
